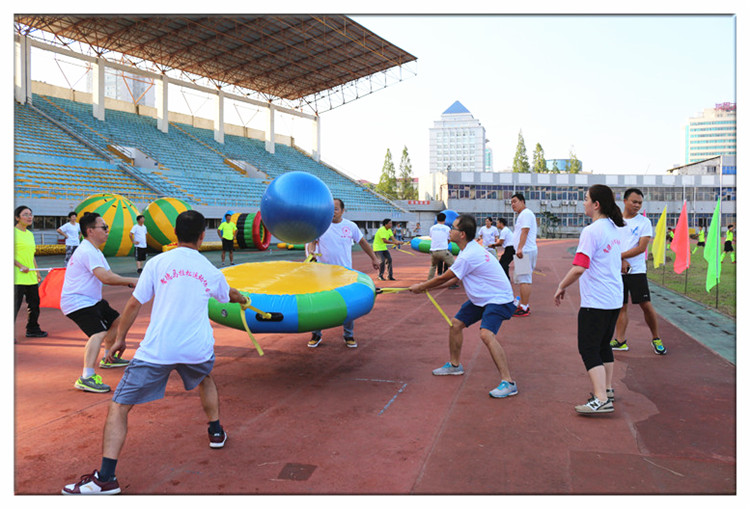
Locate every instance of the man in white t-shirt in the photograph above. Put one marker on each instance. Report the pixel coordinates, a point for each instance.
(179, 338)
(335, 248)
(490, 300)
(524, 242)
(439, 245)
(81, 301)
(72, 233)
(138, 238)
(636, 234)
(489, 235)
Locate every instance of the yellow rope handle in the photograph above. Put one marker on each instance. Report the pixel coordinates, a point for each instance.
(403, 251)
(311, 256)
(243, 308)
(438, 307)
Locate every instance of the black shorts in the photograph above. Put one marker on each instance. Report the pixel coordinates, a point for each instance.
(728, 246)
(637, 285)
(94, 319)
(227, 245)
(595, 330)
(140, 254)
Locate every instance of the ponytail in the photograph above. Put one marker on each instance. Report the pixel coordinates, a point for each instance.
(606, 198)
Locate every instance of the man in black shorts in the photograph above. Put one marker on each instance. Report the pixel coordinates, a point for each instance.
(81, 300)
(227, 234)
(637, 233)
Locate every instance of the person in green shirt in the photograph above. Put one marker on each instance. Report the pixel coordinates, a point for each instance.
(227, 234)
(25, 278)
(383, 237)
(701, 239)
(728, 241)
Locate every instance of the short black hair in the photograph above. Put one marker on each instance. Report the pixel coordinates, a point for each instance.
(630, 191)
(189, 226)
(72, 214)
(501, 220)
(440, 217)
(468, 225)
(490, 218)
(341, 202)
(386, 221)
(140, 216)
(87, 221)
(519, 196)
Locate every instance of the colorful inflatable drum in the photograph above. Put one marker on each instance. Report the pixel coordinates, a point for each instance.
(119, 213)
(251, 232)
(160, 218)
(423, 244)
(301, 297)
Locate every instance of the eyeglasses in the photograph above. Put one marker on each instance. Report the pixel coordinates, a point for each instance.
(105, 227)
(454, 228)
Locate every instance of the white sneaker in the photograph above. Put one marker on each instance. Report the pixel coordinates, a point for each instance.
(448, 369)
(595, 406)
(91, 485)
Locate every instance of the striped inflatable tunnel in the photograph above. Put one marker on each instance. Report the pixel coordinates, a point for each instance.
(160, 218)
(119, 213)
(251, 232)
(422, 244)
(308, 296)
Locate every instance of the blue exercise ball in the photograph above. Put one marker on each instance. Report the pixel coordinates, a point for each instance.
(450, 216)
(297, 207)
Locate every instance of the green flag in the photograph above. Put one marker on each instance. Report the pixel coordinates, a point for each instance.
(711, 251)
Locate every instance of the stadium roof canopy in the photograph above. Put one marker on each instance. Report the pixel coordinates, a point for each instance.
(290, 57)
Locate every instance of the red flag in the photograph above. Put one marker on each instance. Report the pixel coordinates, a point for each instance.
(681, 242)
(51, 289)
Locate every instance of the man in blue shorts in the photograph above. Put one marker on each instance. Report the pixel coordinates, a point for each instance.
(179, 337)
(490, 300)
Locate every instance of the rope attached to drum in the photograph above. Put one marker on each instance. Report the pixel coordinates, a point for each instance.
(432, 299)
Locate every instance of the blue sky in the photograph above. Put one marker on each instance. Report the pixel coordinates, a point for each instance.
(617, 89)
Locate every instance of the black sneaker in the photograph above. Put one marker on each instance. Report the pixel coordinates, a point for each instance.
(314, 341)
(350, 342)
(381, 278)
(391, 278)
(659, 348)
(36, 334)
(522, 312)
(217, 440)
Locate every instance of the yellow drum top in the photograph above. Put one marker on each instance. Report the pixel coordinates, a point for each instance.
(288, 278)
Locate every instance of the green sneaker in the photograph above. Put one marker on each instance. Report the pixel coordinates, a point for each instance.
(616, 345)
(659, 348)
(119, 362)
(91, 384)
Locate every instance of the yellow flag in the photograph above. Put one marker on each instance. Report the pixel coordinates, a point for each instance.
(659, 244)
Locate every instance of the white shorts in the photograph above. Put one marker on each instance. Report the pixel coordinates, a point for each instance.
(526, 278)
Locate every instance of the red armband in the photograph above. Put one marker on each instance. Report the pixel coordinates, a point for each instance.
(581, 260)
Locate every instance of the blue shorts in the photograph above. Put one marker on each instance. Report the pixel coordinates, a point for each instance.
(143, 381)
(492, 315)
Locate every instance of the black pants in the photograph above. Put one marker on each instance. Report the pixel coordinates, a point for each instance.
(595, 330)
(385, 259)
(31, 292)
(506, 258)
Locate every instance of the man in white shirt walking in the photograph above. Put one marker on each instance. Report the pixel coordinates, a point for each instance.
(72, 233)
(524, 242)
(335, 248)
(439, 245)
(179, 338)
(637, 234)
(138, 238)
(489, 235)
(81, 301)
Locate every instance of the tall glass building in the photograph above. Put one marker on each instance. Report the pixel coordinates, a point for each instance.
(457, 141)
(714, 133)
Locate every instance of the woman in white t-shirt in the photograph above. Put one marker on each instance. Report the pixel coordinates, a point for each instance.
(598, 265)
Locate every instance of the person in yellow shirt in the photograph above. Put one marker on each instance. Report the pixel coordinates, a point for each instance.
(383, 237)
(25, 278)
(227, 234)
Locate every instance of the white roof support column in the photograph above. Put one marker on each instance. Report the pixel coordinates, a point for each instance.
(97, 96)
(271, 129)
(316, 139)
(22, 78)
(219, 118)
(162, 102)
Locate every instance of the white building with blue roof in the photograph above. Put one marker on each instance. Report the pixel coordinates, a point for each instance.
(457, 141)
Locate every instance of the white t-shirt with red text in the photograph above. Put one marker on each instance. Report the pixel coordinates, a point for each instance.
(484, 279)
(601, 283)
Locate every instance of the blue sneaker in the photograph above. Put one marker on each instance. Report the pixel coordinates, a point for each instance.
(504, 390)
(448, 369)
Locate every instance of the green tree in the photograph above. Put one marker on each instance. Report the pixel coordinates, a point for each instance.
(539, 165)
(406, 189)
(575, 165)
(388, 186)
(521, 160)
(555, 168)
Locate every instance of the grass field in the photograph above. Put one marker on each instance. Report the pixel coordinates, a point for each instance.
(696, 281)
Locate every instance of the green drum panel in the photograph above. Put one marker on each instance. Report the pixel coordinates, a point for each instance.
(321, 310)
